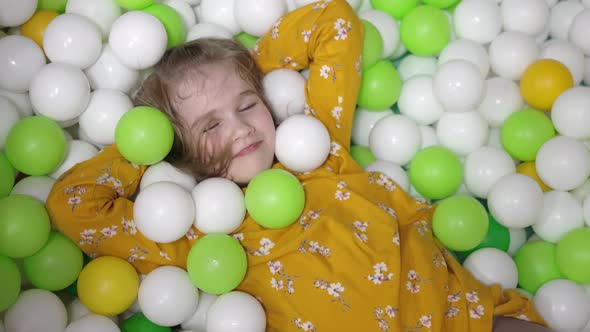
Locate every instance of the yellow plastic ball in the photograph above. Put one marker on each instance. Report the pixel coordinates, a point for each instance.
(529, 169)
(108, 285)
(35, 27)
(543, 81)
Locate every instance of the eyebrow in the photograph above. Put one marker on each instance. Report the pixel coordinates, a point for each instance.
(246, 92)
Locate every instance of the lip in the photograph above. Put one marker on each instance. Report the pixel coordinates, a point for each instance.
(249, 149)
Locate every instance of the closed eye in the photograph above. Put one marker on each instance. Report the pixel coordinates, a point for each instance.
(211, 126)
(248, 107)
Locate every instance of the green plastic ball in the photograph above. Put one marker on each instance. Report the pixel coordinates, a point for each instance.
(573, 255)
(135, 4)
(144, 135)
(396, 8)
(442, 4)
(55, 266)
(436, 172)
(425, 30)
(362, 155)
(247, 40)
(139, 323)
(172, 22)
(460, 222)
(6, 176)
(53, 5)
(274, 198)
(524, 132)
(381, 86)
(217, 263)
(498, 236)
(36, 145)
(372, 45)
(10, 282)
(24, 226)
(536, 264)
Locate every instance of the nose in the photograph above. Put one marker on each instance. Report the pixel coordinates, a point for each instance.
(242, 129)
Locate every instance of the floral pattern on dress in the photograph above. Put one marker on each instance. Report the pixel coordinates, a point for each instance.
(423, 321)
(414, 281)
(275, 28)
(280, 280)
(137, 253)
(337, 111)
(341, 194)
(305, 326)
(476, 310)
(439, 260)
(387, 209)
(321, 5)
(359, 229)
(265, 245)
(129, 226)
(422, 227)
(164, 255)
(306, 221)
(381, 274)
(191, 235)
(314, 247)
(384, 316)
(396, 239)
(453, 311)
(334, 289)
(342, 28)
(335, 147)
(75, 193)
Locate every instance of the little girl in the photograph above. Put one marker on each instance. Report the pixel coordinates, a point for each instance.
(361, 257)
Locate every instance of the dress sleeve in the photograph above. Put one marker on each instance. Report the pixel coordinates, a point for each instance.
(327, 37)
(91, 204)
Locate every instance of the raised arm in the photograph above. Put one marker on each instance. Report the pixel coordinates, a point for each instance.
(327, 37)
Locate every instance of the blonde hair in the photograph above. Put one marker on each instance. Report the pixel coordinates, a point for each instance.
(160, 89)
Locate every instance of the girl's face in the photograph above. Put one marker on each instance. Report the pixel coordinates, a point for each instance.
(241, 119)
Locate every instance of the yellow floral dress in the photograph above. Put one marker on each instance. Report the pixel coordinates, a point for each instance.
(361, 257)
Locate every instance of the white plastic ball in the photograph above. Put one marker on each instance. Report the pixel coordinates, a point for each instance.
(459, 86)
(60, 91)
(395, 138)
(484, 167)
(77, 310)
(465, 49)
(35, 186)
(563, 163)
(495, 139)
(560, 214)
(109, 73)
(570, 113)
(414, 65)
(77, 152)
(566, 53)
(93, 323)
(391, 170)
(400, 51)
(285, 91)
(561, 17)
(164, 212)
(302, 143)
(492, 266)
(477, 20)
(236, 312)
(586, 3)
(543, 36)
(193, 3)
(363, 122)
(515, 201)
(501, 99)
(219, 206)
(527, 16)
(511, 53)
(388, 29)
(256, 17)
(221, 12)
(102, 12)
(165, 172)
(167, 296)
(186, 12)
(208, 30)
(563, 304)
(138, 39)
(463, 132)
(21, 100)
(587, 71)
(20, 60)
(579, 31)
(581, 192)
(9, 116)
(36, 310)
(428, 135)
(586, 210)
(418, 102)
(518, 238)
(105, 109)
(15, 13)
(198, 321)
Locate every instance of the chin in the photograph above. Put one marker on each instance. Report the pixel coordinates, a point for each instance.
(242, 174)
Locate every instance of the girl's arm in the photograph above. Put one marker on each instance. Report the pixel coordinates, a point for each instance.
(328, 37)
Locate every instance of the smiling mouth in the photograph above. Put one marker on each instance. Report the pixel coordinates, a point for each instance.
(249, 149)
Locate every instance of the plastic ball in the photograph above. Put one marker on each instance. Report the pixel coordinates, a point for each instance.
(492, 266)
(72, 39)
(518, 237)
(460, 222)
(497, 237)
(515, 201)
(256, 17)
(537, 265)
(388, 29)
(563, 163)
(529, 169)
(484, 167)
(93, 323)
(462, 132)
(135, 4)
(9, 116)
(560, 214)
(380, 86)
(570, 113)
(436, 172)
(138, 39)
(221, 12)
(586, 209)
(207, 30)
(566, 53)
(7, 173)
(425, 30)
(468, 50)
(527, 16)
(397, 9)
(20, 60)
(102, 12)
(217, 263)
(561, 16)
(167, 297)
(219, 206)
(10, 283)
(524, 132)
(372, 45)
(362, 155)
(511, 52)
(35, 186)
(78, 151)
(172, 22)
(413, 65)
(543, 81)
(478, 20)
(563, 304)
(392, 171)
(573, 255)
(108, 285)
(459, 86)
(76, 310)
(105, 108)
(578, 31)
(418, 101)
(55, 5)
(36, 310)
(428, 137)
(165, 172)
(363, 122)
(198, 321)
(21, 100)
(395, 138)
(35, 27)
(16, 13)
(302, 143)
(236, 311)
(109, 73)
(274, 198)
(501, 99)
(139, 323)
(248, 41)
(144, 135)
(285, 91)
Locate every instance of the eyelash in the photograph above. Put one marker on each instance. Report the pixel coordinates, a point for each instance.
(242, 110)
(248, 107)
